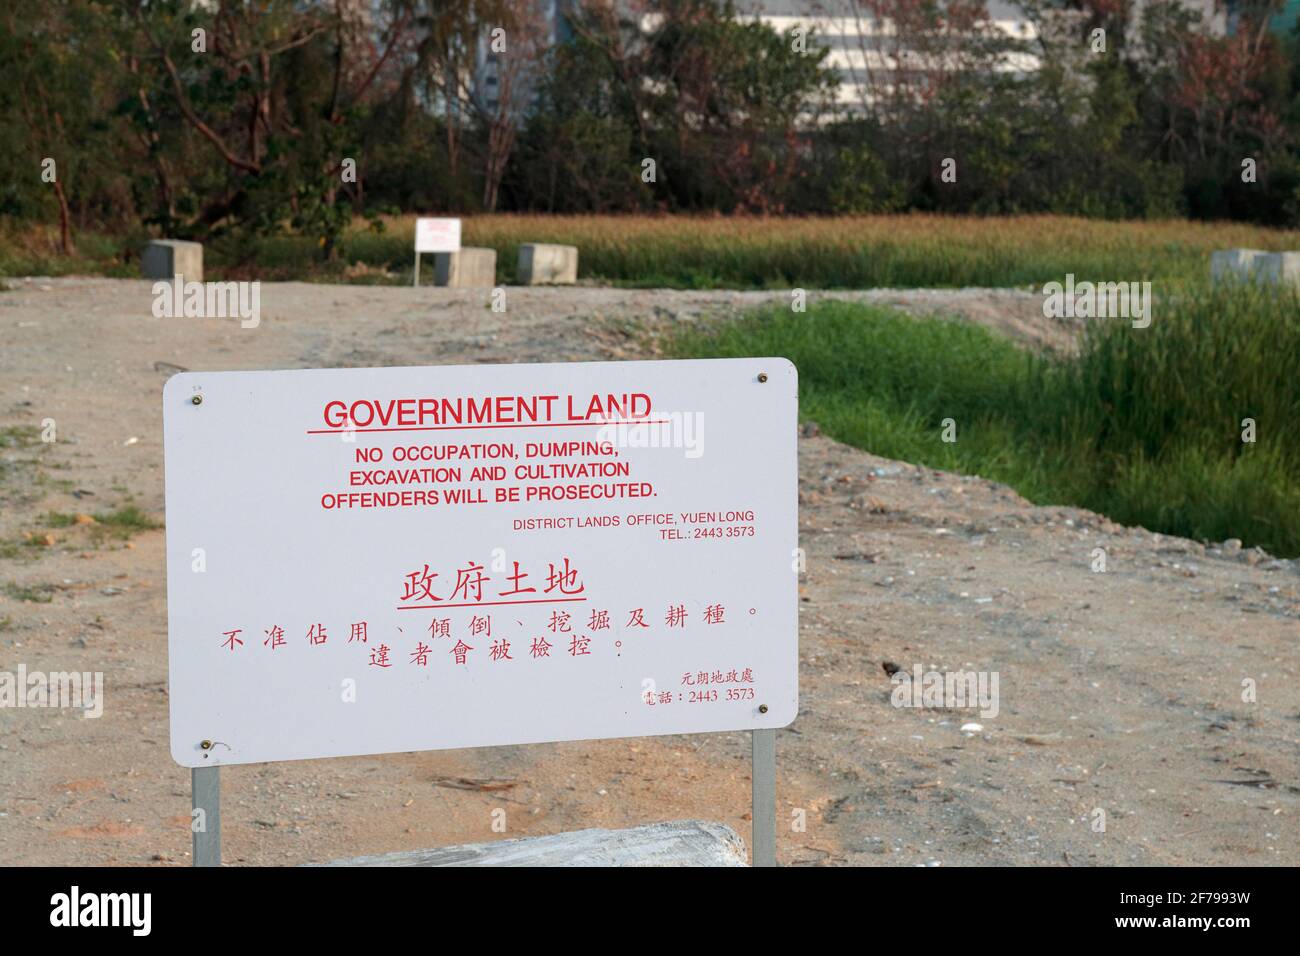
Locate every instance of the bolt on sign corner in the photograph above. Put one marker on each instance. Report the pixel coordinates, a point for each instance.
(368, 561)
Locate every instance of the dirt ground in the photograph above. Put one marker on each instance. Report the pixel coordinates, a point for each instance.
(1120, 691)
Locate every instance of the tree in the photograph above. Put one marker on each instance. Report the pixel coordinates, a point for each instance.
(580, 150)
(276, 90)
(506, 94)
(717, 103)
(51, 106)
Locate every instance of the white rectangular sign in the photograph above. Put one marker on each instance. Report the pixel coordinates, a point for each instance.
(380, 560)
(437, 235)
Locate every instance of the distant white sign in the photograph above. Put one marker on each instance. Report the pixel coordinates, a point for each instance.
(437, 235)
(380, 560)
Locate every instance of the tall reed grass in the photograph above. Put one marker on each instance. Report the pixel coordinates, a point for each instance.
(1143, 425)
(908, 251)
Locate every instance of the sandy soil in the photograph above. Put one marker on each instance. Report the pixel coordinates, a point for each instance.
(1120, 691)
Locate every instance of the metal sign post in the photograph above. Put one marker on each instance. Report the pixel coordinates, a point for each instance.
(205, 789)
(763, 750)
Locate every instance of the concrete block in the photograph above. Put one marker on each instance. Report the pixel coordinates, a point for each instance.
(1278, 268)
(165, 258)
(679, 843)
(468, 268)
(1234, 265)
(543, 264)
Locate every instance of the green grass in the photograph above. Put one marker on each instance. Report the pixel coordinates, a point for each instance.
(32, 249)
(122, 523)
(19, 436)
(1143, 425)
(128, 518)
(118, 525)
(852, 252)
(41, 594)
